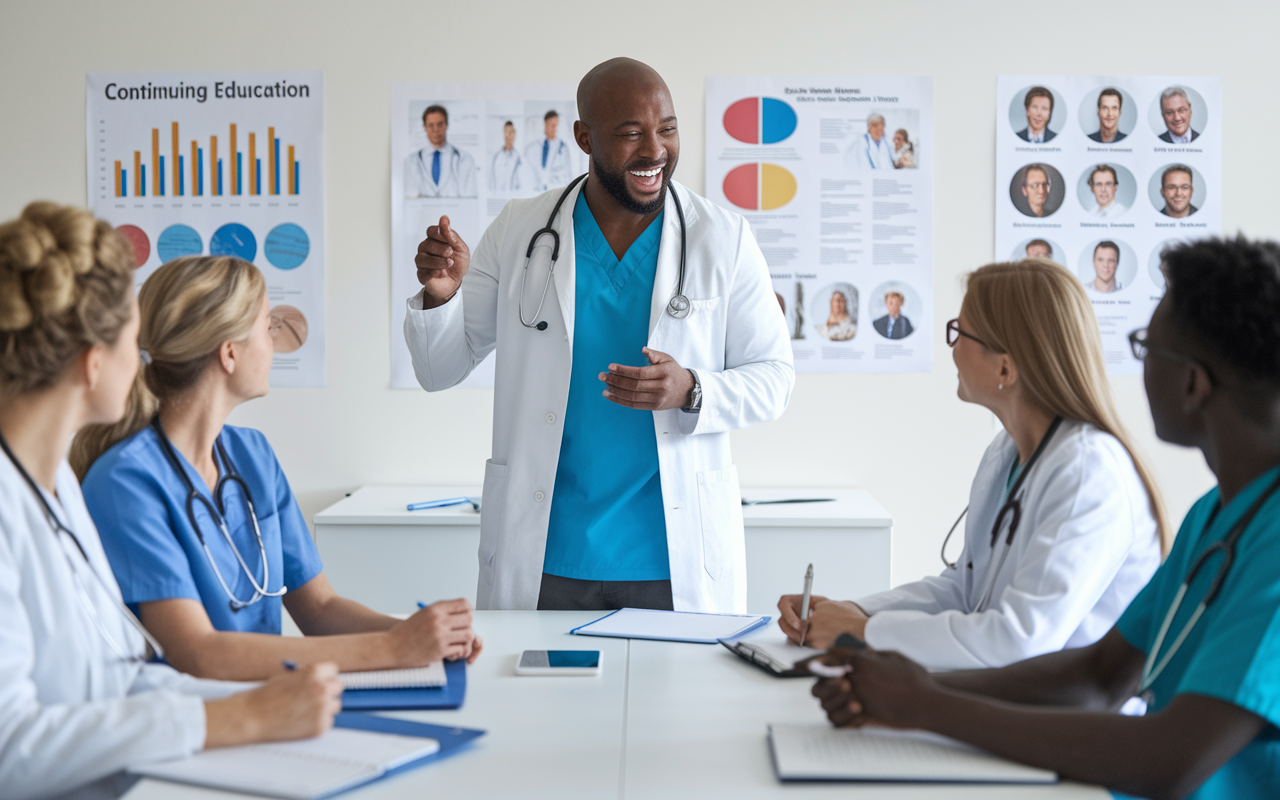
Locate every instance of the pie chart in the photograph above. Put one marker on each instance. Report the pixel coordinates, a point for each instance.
(759, 187)
(760, 120)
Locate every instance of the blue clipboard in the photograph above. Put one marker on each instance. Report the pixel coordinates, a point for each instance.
(450, 739)
(750, 623)
(449, 696)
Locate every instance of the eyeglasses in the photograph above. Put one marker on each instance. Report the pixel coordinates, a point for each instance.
(954, 333)
(1142, 348)
(1037, 185)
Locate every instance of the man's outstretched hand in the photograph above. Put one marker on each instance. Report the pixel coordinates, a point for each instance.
(661, 385)
(442, 260)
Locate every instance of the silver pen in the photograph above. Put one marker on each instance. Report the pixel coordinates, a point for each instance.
(804, 603)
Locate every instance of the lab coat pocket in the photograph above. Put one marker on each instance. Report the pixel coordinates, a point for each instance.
(493, 504)
(720, 509)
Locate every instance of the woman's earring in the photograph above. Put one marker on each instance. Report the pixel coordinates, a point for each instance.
(1000, 387)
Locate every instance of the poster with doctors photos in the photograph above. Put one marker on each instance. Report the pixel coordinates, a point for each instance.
(496, 142)
(221, 163)
(835, 176)
(1101, 173)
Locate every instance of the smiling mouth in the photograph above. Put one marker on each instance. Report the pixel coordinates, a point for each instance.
(647, 179)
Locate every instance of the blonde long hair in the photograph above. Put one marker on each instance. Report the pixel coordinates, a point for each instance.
(1037, 312)
(188, 308)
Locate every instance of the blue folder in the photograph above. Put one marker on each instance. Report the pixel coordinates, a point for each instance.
(450, 739)
(449, 696)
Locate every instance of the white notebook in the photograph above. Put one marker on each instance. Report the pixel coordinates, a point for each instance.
(671, 626)
(416, 678)
(823, 753)
(305, 770)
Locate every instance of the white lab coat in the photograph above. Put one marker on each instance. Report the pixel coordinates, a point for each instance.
(734, 338)
(866, 153)
(506, 172)
(73, 716)
(1085, 547)
(457, 173)
(559, 168)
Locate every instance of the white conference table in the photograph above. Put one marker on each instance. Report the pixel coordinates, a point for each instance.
(663, 720)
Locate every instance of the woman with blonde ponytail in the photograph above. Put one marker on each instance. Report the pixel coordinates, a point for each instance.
(79, 702)
(1064, 522)
(197, 518)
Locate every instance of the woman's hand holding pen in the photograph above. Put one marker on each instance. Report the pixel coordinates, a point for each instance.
(827, 620)
(439, 631)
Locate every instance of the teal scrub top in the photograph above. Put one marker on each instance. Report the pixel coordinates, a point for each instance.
(139, 504)
(607, 520)
(1233, 653)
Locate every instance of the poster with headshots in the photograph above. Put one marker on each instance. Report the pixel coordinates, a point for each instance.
(1101, 174)
(463, 150)
(221, 163)
(835, 176)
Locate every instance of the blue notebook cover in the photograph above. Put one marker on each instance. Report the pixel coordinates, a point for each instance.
(450, 739)
(449, 696)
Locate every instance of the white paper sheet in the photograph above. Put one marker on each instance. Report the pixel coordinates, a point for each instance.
(677, 626)
(841, 232)
(416, 678)
(1130, 229)
(478, 114)
(223, 163)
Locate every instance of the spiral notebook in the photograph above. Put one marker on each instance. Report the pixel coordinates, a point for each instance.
(430, 676)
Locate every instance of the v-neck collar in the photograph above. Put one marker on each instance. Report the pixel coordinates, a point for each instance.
(590, 237)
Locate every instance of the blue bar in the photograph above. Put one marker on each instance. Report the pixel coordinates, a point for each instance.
(124, 183)
(199, 170)
(218, 178)
(160, 182)
(276, 145)
(257, 177)
(239, 173)
(142, 179)
(297, 175)
(182, 176)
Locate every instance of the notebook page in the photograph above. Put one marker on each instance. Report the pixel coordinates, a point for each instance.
(820, 752)
(432, 675)
(310, 768)
(641, 623)
(782, 653)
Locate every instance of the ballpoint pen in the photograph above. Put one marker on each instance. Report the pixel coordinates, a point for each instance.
(804, 603)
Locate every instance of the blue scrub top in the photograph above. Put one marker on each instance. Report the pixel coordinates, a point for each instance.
(607, 520)
(139, 504)
(1233, 653)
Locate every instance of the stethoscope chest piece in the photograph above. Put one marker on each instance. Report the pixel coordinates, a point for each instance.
(678, 307)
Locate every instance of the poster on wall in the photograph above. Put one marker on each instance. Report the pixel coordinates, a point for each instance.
(1101, 174)
(835, 176)
(221, 163)
(463, 150)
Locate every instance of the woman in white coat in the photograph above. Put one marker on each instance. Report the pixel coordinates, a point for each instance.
(1064, 519)
(78, 702)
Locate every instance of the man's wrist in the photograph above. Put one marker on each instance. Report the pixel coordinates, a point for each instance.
(693, 403)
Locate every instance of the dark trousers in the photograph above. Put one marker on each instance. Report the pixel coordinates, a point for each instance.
(571, 594)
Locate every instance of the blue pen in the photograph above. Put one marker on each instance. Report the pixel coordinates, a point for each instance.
(448, 501)
(421, 604)
(290, 665)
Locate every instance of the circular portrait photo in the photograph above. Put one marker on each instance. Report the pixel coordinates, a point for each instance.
(1156, 259)
(1037, 114)
(1106, 191)
(1039, 248)
(1108, 115)
(1107, 266)
(834, 312)
(288, 329)
(1037, 190)
(1178, 115)
(1177, 190)
(891, 306)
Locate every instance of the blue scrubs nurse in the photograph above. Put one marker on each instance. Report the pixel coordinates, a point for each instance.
(1201, 642)
(197, 519)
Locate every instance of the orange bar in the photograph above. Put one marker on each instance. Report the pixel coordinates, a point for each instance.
(137, 173)
(271, 160)
(177, 169)
(214, 173)
(292, 188)
(118, 187)
(155, 162)
(195, 168)
(253, 166)
(234, 173)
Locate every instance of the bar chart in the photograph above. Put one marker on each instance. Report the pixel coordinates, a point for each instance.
(184, 174)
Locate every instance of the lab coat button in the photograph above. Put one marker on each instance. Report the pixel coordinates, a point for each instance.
(551, 418)
(539, 497)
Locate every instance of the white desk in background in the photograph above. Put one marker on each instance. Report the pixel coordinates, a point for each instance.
(663, 720)
(377, 552)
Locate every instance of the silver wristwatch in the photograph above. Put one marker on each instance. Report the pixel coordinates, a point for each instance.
(695, 396)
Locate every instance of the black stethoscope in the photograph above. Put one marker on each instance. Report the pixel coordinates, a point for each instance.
(1013, 509)
(678, 307)
(55, 524)
(1227, 546)
(217, 511)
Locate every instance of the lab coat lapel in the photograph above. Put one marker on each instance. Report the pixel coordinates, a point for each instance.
(667, 276)
(566, 265)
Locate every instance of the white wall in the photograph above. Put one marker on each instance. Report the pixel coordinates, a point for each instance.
(906, 438)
